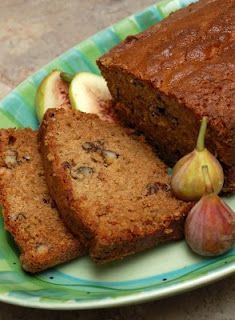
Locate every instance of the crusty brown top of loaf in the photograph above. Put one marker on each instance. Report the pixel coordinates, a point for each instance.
(29, 213)
(189, 56)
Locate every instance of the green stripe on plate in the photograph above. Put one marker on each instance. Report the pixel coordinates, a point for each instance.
(19, 111)
(91, 52)
(148, 17)
(126, 27)
(105, 40)
(6, 121)
(76, 61)
(27, 93)
(168, 6)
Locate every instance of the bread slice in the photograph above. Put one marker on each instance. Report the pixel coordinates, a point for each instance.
(109, 185)
(29, 213)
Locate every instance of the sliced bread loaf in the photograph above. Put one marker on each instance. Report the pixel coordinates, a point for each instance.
(108, 184)
(29, 213)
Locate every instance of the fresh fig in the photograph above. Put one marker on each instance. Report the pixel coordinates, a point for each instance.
(187, 179)
(89, 93)
(53, 92)
(210, 225)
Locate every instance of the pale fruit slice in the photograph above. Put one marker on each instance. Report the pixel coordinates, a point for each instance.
(53, 92)
(89, 93)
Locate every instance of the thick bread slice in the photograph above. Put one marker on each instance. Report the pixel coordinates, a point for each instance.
(108, 184)
(29, 212)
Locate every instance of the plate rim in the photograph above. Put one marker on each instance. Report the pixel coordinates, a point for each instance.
(135, 298)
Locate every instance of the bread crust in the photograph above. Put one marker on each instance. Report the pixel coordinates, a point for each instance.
(59, 182)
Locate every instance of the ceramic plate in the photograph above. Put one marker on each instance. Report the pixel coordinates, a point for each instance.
(156, 273)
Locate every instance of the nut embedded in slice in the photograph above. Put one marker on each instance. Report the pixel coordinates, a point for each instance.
(89, 93)
(10, 159)
(52, 93)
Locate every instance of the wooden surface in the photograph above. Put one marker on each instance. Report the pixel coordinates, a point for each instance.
(33, 32)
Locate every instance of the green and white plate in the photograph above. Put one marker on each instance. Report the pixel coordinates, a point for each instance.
(162, 271)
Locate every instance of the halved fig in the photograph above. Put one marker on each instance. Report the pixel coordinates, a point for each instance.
(53, 92)
(89, 93)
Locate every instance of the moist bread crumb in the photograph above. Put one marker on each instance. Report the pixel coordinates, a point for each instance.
(110, 187)
(29, 213)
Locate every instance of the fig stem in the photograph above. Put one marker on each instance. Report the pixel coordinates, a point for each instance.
(201, 136)
(208, 185)
(67, 77)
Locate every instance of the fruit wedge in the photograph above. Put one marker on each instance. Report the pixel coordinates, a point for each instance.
(52, 93)
(89, 93)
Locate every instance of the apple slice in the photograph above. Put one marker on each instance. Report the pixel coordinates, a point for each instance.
(89, 93)
(53, 92)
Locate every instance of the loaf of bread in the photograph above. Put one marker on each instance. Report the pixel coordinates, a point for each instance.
(167, 78)
(29, 212)
(110, 187)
